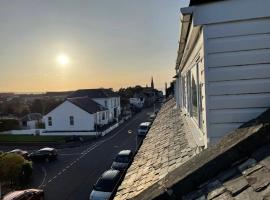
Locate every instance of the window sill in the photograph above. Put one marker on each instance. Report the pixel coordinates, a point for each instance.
(196, 132)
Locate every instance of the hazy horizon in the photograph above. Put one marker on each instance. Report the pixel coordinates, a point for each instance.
(67, 45)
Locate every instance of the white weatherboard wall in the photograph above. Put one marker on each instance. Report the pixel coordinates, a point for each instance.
(83, 121)
(194, 55)
(237, 49)
(230, 42)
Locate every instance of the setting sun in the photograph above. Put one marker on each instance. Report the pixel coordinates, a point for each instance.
(62, 59)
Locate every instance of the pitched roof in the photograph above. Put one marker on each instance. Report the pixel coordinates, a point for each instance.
(94, 93)
(87, 104)
(197, 2)
(166, 146)
(31, 117)
(238, 167)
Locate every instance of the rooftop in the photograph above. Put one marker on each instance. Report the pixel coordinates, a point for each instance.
(87, 104)
(166, 147)
(196, 2)
(93, 93)
(238, 167)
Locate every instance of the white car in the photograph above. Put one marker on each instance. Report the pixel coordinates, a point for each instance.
(144, 128)
(106, 186)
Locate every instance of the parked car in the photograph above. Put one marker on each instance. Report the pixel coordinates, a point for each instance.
(46, 153)
(20, 152)
(144, 128)
(106, 186)
(122, 160)
(152, 117)
(30, 194)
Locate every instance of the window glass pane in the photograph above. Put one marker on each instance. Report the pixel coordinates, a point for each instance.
(194, 93)
(71, 120)
(49, 121)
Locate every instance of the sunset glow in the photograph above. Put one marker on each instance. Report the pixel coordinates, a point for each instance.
(62, 59)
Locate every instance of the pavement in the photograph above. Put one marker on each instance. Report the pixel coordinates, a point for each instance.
(73, 174)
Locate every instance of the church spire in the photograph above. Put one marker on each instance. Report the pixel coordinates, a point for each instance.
(152, 83)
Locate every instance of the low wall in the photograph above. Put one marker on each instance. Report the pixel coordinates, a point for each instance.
(24, 132)
(83, 133)
(44, 133)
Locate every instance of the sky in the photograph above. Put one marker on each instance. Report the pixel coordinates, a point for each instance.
(61, 45)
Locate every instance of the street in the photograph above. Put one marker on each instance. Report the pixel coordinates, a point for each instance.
(73, 175)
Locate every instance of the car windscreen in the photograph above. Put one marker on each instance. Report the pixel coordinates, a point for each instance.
(104, 185)
(122, 159)
(143, 127)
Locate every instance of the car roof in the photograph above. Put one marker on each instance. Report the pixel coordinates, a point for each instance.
(16, 150)
(18, 193)
(145, 124)
(110, 174)
(124, 153)
(47, 149)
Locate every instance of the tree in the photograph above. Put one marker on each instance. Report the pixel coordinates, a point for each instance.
(13, 169)
(37, 106)
(9, 124)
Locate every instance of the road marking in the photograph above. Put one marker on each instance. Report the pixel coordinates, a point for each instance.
(91, 148)
(69, 154)
(44, 177)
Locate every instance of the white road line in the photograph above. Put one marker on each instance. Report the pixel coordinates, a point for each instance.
(89, 149)
(69, 154)
(44, 177)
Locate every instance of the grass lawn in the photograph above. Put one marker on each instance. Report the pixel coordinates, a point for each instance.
(31, 138)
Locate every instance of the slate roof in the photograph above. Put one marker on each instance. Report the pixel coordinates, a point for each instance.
(94, 93)
(87, 104)
(197, 2)
(238, 167)
(166, 147)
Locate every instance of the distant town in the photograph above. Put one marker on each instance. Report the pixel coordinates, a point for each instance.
(26, 111)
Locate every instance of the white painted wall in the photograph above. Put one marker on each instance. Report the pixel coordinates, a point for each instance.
(138, 102)
(235, 62)
(194, 55)
(238, 73)
(83, 121)
(31, 124)
(237, 58)
(112, 102)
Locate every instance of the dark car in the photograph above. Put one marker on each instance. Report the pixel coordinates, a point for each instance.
(46, 153)
(20, 152)
(106, 186)
(30, 194)
(122, 160)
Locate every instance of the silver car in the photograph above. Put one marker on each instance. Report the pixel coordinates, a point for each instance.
(144, 128)
(106, 186)
(122, 160)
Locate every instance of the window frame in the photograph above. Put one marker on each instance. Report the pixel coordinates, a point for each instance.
(49, 121)
(187, 95)
(71, 120)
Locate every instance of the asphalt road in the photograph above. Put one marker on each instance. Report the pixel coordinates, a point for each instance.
(73, 175)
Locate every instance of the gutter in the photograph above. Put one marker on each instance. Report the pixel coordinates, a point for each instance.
(185, 26)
